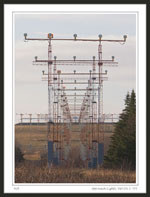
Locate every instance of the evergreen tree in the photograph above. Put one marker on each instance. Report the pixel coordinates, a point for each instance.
(121, 152)
(18, 155)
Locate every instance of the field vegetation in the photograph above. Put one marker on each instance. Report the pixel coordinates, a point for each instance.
(32, 139)
(28, 172)
(74, 170)
(119, 146)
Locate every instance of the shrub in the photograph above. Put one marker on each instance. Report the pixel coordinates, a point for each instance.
(18, 155)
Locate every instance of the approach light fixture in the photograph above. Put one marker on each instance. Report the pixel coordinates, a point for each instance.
(25, 35)
(100, 36)
(125, 37)
(75, 36)
(113, 57)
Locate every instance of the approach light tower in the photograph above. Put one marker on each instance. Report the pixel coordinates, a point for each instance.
(100, 62)
(49, 37)
(100, 65)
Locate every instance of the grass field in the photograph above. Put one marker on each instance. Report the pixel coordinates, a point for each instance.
(28, 173)
(32, 139)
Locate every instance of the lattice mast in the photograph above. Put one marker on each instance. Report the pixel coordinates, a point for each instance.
(100, 86)
(100, 73)
(49, 81)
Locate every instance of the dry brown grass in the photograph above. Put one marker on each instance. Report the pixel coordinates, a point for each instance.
(28, 173)
(74, 171)
(36, 136)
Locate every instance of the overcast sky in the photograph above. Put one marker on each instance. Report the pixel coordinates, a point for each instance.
(31, 92)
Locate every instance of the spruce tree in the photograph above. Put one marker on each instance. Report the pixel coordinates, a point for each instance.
(121, 152)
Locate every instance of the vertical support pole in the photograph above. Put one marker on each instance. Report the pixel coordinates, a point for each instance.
(50, 153)
(55, 101)
(98, 113)
(100, 153)
(50, 143)
(100, 105)
(75, 106)
(49, 79)
(100, 64)
(30, 117)
(58, 115)
(38, 118)
(21, 118)
(61, 124)
(94, 94)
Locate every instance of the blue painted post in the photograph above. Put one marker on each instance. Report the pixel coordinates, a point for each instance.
(50, 152)
(90, 164)
(94, 162)
(100, 153)
(55, 154)
(55, 161)
(90, 158)
(94, 153)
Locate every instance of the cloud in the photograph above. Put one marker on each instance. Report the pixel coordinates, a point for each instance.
(115, 19)
(68, 24)
(31, 92)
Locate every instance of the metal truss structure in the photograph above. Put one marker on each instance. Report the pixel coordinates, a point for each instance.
(75, 98)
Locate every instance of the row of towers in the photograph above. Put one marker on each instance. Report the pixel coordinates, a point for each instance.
(84, 104)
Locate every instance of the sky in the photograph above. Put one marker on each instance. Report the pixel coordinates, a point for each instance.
(31, 91)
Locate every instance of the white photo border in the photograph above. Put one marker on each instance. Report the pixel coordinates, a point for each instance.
(9, 113)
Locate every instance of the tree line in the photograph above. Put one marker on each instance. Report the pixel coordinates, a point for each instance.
(122, 151)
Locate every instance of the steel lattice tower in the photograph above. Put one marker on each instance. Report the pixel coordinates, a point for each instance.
(62, 111)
